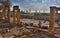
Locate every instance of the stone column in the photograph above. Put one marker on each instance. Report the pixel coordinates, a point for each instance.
(52, 20)
(8, 13)
(18, 16)
(14, 16)
(3, 12)
(15, 11)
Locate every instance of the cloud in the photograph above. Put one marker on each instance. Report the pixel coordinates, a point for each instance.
(33, 6)
(37, 4)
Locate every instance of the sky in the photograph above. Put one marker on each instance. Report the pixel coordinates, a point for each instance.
(42, 5)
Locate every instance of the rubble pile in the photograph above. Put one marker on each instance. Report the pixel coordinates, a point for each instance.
(26, 32)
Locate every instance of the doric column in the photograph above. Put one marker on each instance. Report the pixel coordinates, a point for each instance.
(18, 16)
(15, 11)
(8, 14)
(14, 16)
(52, 20)
(3, 12)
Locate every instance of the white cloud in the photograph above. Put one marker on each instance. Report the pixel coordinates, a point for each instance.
(36, 5)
